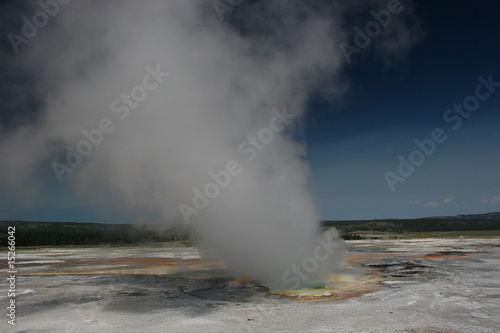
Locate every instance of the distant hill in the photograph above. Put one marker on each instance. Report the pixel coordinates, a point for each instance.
(30, 233)
(488, 221)
(486, 216)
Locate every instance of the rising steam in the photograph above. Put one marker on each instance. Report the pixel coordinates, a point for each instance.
(225, 82)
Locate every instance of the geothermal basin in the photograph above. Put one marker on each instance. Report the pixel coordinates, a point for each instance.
(413, 285)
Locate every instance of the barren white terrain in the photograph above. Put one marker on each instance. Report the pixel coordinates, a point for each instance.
(420, 285)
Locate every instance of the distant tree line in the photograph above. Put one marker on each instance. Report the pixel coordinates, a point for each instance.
(413, 225)
(352, 237)
(59, 234)
(65, 233)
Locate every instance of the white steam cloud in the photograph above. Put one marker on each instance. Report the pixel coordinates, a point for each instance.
(225, 78)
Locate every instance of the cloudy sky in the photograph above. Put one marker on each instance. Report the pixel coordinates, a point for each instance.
(389, 137)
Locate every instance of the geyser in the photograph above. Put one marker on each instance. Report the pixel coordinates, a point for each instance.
(217, 107)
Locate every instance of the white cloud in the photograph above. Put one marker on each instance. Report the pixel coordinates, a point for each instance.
(494, 199)
(448, 200)
(413, 202)
(431, 204)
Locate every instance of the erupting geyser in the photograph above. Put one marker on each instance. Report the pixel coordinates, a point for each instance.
(142, 104)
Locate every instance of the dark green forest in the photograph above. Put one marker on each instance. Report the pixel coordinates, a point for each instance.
(400, 226)
(70, 233)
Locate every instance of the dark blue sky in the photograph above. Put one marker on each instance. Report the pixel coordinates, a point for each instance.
(353, 143)
(355, 140)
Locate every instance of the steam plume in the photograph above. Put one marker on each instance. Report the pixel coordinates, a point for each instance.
(224, 80)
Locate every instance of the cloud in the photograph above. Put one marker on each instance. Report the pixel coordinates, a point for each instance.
(448, 200)
(431, 204)
(413, 202)
(494, 199)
